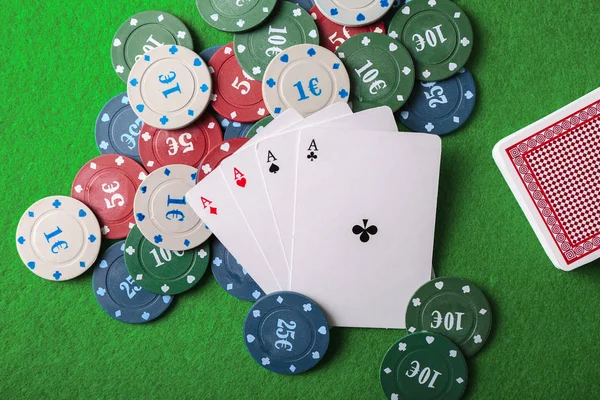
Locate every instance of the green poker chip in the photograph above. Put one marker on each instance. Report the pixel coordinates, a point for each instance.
(257, 127)
(438, 35)
(381, 71)
(424, 366)
(290, 25)
(144, 32)
(164, 271)
(235, 15)
(454, 308)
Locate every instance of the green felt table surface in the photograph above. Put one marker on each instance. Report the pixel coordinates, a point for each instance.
(530, 58)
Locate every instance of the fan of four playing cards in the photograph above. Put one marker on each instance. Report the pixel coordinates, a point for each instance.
(337, 206)
(341, 207)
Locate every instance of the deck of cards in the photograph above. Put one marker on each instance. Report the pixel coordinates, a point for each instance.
(338, 206)
(553, 169)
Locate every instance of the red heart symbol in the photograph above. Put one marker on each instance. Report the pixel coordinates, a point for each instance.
(241, 182)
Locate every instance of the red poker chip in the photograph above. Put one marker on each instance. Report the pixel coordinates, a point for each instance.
(237, 96)
(216, 156)
(188, 146)
(107, 185)
(334, 35)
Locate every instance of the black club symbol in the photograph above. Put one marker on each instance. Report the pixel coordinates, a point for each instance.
(365, 231)
(312, 156)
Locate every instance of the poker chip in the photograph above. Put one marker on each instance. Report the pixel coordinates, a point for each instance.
(119, 295)
(440, 107)
(387, 18)
(235, 15)
(214, 158)
(423, 366)
(58, 238)
(307, 78)
(352, 12)
(233, 129)
(231, 276)
(143, 32)
(164, 271)
(187, 146)
(306, 4)
(382, 71)
(438, 35)
(107, 184)
(333, 35)
(169, 87)
(207, 54)
(118, 128)
(162, 213)
(238, 96)
(290, 25)
(454, 308)
(396, 4)
(286, 333)
(259, 126)
(237, 130)
(224, 122)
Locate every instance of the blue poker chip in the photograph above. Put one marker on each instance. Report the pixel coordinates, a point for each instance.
(233, 129)
(440, 107)
(224, 122)
(119, 295)
(207, 54)
(118, 128)
(231, 276)
(306, 4)
(237, 130)
(286, 333)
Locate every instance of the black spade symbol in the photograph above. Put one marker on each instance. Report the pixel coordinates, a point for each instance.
(273, 168)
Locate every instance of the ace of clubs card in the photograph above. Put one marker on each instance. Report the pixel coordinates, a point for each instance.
(364, 222)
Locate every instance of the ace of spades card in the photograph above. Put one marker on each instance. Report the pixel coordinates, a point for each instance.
(364, 222)
(278, 158)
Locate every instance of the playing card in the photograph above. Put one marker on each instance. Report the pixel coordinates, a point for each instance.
(364, 222)
(243, 176)
(552, 169)
(211, 199)
(285, 120)
(241, 182)
(277, 157)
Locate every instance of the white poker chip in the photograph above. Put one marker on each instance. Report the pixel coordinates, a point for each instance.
(306, 78)
(58, 238)
(162, 213)
(354, 12)
(169, 87)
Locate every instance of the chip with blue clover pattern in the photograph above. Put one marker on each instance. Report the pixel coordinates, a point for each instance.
(306, 78)
(162, 213)
(58, 238)
(169, 87)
